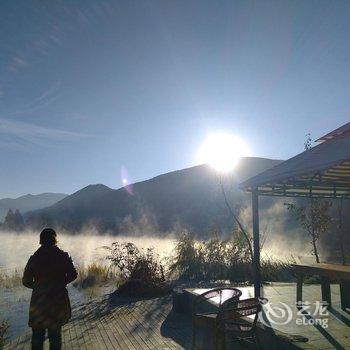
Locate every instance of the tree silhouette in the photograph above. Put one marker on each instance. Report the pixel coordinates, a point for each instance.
(13, 221)
(314, 219)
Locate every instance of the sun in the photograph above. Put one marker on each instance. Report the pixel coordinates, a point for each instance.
(222, 151)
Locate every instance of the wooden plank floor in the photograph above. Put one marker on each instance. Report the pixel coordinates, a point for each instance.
(106, 323)
(337, 333)
(282, 296)
(122, 324)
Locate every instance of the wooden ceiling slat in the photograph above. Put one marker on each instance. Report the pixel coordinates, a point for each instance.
(306, 195)
(336, 174)
(338, 169)
(340, 178)
(333, 182)
(342, 166)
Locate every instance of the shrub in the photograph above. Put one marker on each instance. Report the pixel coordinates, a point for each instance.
(10, 280)
(140, 288)
(275, 270)
(94, 274)
(3, 330)
(188, 259)
(218, 259)
(141, 270)
(211, 260)
(215, 264)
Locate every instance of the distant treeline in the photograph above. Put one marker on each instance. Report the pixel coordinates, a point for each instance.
(13, 221)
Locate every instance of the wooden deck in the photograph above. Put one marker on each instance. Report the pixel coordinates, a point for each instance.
(336, 335)
(152, 324)
(123, 324)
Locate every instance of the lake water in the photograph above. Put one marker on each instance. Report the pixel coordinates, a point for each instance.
(83, 248)
(15, 250)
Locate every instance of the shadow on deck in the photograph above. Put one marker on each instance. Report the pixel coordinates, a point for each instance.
(284, 325)
(120, 323)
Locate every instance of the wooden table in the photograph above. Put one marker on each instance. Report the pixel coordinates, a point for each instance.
(328, 273)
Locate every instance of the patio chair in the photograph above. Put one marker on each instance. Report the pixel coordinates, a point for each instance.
(225, 297)
(231, 320)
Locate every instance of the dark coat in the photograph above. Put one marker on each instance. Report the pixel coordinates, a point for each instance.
(48, 271)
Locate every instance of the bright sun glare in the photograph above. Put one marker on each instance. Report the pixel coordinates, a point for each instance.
(222, 151)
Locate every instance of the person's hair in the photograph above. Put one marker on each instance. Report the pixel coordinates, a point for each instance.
(48, 237)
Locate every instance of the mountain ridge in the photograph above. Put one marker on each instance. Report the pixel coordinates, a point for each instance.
(189, 197)
(29, 202)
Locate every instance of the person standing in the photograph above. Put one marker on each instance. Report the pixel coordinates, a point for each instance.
(48, 272)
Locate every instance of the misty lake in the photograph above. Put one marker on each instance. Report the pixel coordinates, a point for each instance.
(83, 248)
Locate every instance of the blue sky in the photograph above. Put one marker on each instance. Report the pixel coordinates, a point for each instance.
(88, 88)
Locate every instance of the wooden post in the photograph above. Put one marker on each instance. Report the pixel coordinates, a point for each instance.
(326, 290)
(300, 278)
(345, 294)
(256, 243)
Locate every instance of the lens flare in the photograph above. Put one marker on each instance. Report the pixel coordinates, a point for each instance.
(125, 179)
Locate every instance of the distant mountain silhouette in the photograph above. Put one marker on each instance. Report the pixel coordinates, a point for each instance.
(29, 202)
(190, 198)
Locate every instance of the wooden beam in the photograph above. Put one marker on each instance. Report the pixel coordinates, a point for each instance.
(256, 243)
(305, 194)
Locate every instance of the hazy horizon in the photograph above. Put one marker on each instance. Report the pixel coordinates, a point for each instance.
(86, 247)
(121, 185)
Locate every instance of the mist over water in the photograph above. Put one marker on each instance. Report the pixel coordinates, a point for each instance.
(278, 238)
(84, 248)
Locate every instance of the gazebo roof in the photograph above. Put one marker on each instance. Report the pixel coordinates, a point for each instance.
(322, 171)
(343, 130)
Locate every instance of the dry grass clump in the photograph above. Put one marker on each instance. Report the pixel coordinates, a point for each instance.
(3, 329)
(275, 270)
(222, 259)
(10, 280)
(141, 271)
(214, 259)
(92, 275)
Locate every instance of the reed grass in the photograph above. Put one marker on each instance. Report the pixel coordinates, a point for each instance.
(94, 274)
(222, 259)
(10, 279)
(3, 330)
